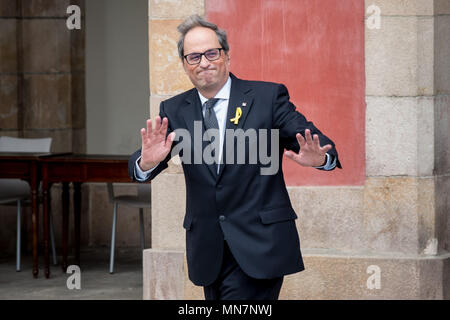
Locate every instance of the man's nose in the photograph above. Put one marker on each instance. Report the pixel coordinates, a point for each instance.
(204, 63)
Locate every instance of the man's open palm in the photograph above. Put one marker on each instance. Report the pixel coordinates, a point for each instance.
(155, 146)
(311, 154)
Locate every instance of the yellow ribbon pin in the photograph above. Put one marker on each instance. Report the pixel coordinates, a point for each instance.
(238, 115)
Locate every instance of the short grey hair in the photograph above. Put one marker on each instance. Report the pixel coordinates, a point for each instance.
(196, 21)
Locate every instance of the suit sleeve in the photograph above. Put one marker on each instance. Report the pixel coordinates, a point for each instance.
(290, 122)
(162, 165)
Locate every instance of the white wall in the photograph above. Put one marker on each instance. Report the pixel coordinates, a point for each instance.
(117, 79)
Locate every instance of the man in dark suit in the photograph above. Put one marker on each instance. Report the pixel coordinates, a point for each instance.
(241, 237)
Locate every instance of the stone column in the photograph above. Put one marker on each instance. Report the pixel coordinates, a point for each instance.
(408, 73)
(167, 78)
(394, 228)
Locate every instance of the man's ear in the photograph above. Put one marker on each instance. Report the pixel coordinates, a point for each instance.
(227, 57)
(184, 65)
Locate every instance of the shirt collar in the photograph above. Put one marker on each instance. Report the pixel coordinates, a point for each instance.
(223, 93)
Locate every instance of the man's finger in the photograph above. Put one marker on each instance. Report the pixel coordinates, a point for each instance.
(308, 136)
(326, 148)
(170, 139)
(316, 141)
(149, 127)
(157, 124)
(143, 135)
(300, 140)
(291, 155)
(164, 126)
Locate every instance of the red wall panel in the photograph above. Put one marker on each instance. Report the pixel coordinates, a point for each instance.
(315, 48)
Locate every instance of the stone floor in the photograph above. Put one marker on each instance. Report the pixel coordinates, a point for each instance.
(96, 282)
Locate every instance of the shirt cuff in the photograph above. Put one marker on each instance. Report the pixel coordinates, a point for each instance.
(329, 165)
(142, 175)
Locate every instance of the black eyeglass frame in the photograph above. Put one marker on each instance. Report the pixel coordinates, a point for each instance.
(202, 54)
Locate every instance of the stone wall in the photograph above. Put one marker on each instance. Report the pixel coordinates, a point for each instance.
(42, 93)
(42, 73)
(398, 220)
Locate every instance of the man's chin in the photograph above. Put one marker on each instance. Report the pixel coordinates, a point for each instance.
(206, 85)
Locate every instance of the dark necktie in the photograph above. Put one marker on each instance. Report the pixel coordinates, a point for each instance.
(211, 123)
(210, 115)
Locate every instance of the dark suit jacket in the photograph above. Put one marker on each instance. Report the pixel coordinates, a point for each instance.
(252, 212)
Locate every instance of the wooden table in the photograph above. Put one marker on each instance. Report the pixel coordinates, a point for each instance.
(26, 166)
(76, 168)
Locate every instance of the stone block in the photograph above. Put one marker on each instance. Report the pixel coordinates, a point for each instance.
(8, 102)
(340, 277)
(47, 101)
(399, 136)
(46, 8)
(330, 217)
(425, 108)
(163, 274)
(442, 53)
(442, 216)
(175, 9)
(78, 95)
(168, 210)
(399, 57)
(425, 56)
(399, 214)
(46, 45)
(441, 132)
(441, 7)
(167, 76)
(387, 214)
(403, 8)
(191, 291)
(78, 47)
(8, 45)
(8, 8)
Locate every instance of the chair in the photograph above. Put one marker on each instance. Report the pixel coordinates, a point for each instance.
(16, 191)
(141, 201)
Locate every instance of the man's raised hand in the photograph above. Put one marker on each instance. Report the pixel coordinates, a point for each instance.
(311, 153)
(155, 146)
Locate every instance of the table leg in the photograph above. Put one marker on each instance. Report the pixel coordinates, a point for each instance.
(77, 213)
(65, 223)
(34, 217)
(46, 206)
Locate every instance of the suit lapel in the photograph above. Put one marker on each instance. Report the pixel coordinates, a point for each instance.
(240, 96)
(192, 110)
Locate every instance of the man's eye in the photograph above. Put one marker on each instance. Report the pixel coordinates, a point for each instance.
(211, 54)
(194, 56)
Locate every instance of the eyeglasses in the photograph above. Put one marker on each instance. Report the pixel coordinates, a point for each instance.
(211, 55)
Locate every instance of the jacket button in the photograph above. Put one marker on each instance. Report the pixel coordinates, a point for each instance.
(222, 218)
